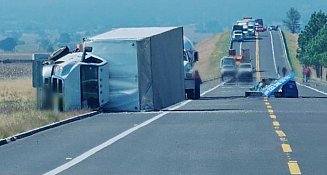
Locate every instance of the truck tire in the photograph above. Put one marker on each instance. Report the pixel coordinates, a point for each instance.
(61, 52)
(197, 91)
(190, 93)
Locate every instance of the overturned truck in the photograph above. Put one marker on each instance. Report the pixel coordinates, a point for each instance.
(127, 69)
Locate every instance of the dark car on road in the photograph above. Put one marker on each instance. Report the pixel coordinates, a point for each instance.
(275, 28)
(288, 90)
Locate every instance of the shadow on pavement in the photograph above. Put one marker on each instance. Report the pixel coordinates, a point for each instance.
(202, 110)
(221, 98)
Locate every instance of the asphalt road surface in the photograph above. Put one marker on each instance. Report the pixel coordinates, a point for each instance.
(221, 133)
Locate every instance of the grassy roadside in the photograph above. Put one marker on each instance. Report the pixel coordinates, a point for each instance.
(17, 106)
(210, 52)
(291, 47)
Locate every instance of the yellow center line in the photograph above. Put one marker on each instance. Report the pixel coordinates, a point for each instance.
(280, 133)
(257, 63)
(294, 167)
(276, 124)
(286, 148)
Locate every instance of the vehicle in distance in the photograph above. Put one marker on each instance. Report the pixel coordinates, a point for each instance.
(237, 35)
(272, 27)
(245, 72)
(251, 28)
(228, 68)
(261, 28)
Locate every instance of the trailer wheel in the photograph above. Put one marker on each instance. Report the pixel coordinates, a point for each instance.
(197, 91)
(190, 93)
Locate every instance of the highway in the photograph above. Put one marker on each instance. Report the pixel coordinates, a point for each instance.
(221, 133)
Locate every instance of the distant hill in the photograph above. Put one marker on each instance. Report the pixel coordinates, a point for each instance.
(80, 15)
(41, 25)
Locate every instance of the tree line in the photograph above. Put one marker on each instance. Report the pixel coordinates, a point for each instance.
(43, 42)
(312, 41)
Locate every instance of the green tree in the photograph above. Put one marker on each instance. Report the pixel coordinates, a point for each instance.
(292, 21)
(8, 44)
(314, 50)
(316, 22)
(46, 45)
(64, 38)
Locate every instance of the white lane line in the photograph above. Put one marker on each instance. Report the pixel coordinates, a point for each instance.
(273, 52)
(111, 141)
(240, 48)
(284, 49)
(312, 88)
(204, 93)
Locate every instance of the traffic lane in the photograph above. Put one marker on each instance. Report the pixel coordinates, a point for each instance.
(207, 85)
(279, 51)
(315, 86)
(281, 61)
(306, 92)
(250, 44)
(46, 150)
(224, 97)
(234, 142)
(304, 123)
(267, 66)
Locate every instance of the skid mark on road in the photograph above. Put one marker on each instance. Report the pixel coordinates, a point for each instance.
(293, 166)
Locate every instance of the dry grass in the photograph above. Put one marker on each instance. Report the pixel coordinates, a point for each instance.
(210, 51)
(18, 112)
(291, 44)
(14, 71)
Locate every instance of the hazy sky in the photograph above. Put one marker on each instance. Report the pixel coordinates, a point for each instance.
(81, 14)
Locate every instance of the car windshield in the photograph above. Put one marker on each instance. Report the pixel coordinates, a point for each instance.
(228, 66)
(228, 61)
(245, 66)
(185, 56)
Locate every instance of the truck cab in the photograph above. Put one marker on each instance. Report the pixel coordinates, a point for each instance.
(71, 76)
(191, 82)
